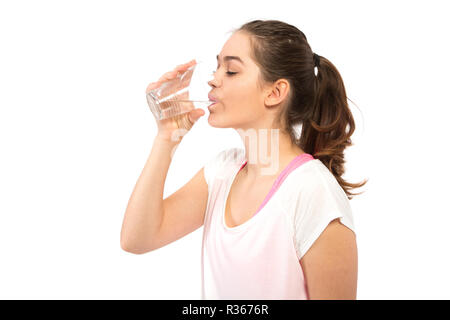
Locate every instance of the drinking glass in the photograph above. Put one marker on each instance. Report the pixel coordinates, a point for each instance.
(189, 90)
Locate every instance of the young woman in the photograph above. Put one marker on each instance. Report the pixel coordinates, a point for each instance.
(276, 215)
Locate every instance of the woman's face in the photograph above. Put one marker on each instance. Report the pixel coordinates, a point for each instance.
(240, 102)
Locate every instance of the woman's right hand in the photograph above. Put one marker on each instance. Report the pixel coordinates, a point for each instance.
(175, 127)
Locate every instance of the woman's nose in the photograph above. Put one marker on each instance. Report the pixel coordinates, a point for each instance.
(213, 82)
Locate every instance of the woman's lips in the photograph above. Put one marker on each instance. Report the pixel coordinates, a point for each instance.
(212, 98)
(211, 106)
(213, 101)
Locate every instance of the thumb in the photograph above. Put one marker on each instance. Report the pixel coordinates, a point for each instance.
(195, 114)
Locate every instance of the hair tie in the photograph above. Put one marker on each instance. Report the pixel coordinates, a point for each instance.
(316, 58)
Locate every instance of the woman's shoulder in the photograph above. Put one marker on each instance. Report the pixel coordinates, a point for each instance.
(315, 196)
(314, 180)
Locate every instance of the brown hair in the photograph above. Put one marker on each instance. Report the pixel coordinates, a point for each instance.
(318, 103)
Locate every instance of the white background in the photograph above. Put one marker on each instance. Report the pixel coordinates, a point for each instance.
(75, 132)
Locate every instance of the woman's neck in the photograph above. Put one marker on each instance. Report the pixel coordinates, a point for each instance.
(268, 152)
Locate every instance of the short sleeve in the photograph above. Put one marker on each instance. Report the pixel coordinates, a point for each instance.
(214, 166)
(317, 204)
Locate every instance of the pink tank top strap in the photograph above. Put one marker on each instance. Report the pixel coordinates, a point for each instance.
(294, 164)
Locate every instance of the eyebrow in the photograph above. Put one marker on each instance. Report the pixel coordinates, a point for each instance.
(228, 58)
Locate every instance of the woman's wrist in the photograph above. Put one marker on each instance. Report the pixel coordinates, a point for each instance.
(167, 139)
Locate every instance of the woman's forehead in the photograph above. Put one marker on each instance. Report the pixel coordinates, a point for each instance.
(236, 46)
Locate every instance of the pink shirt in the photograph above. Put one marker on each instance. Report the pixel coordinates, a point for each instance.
(260, 258)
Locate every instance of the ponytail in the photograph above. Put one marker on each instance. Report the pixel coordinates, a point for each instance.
(326, 133)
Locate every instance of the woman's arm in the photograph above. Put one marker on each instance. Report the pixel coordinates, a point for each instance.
(145, 207)
(330, 266)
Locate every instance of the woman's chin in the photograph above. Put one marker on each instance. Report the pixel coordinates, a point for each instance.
(212, 121)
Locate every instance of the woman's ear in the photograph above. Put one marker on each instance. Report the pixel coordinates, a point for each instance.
(277, 93)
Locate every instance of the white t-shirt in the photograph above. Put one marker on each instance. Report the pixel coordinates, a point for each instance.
(260, 258)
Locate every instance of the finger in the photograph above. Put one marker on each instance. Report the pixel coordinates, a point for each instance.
(192, 62)
(152, 86)
(185, 66)
(164, 78)
(174, 73)
(168, 75)
(195, 114)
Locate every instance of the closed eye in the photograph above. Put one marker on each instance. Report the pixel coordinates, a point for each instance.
(228, 73)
